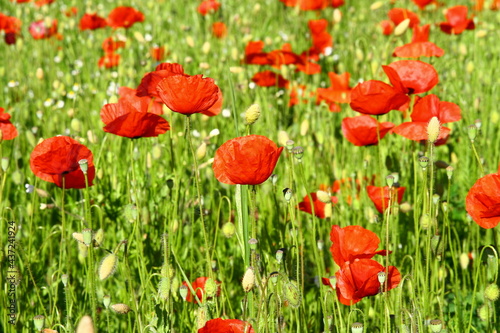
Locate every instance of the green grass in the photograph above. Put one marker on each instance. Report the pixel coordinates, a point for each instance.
(145, 197)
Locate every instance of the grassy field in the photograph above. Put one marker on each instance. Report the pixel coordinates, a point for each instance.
(157, 216)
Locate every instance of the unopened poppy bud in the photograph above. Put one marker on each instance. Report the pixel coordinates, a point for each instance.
(39, 73)
(423, 161)
(248, 280)
(492, 292)
(469, 67)
(436, 325)
(289, 145)
(228, 229)
(389, 180)
(435, 198)
(323, 196)
(253, 243)
(321, 244)
(484, 312)
(357, 328)
(106, 300)
(449, 171)
(5, 164)
(39, 321)
(210, 287)
(298, 152)
(274, 178)
(98, 238)
(107, 266)
(381, 276)
(287, 193)
(201, 151)
(433, 129)
(76, 125)
(464, 260)
(337, 16)
(121, 308)
(405, 207)
(472, 132)
(376, 5)
(279, 255)
(164, 288)
(64, 280)
(252, 114)
(274, 277)
(492, 266)
(402, 27)
(183, 291)
(87, 236)
(84, 165)
(205, 48)
(425, 221)
(291, 294)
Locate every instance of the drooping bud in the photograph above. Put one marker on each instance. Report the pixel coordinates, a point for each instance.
(107, 266)
(492, 292)
(121, 308)
(248, 280)
(402, 27)
(252, 114)
(433, 129)
(228, 229)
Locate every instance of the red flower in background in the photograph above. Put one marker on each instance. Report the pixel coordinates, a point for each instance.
(208, 6)
(322, 40)
(10, 24)
(109, 60)
(56, 160)
(359, 279)
(307, 4)
(411, 76)
(8, 130)
(247, 160)
(188, 94)
(219, 29)
(110, 45)
(157, 53)
(387, 27)
(41, 3)
(353, 242)
(456, 21)
(424, 109)
(398, 15)
(219, 325)
(338, 92)
(483, 201)
(199, 287)
(376, 98)
(40, 30)
(423, 3)
(254, 54)
(92, 22)
(419, 46)
(270, 79)
(319, 206)
(380, 196)
(124, 17)
(362, 130)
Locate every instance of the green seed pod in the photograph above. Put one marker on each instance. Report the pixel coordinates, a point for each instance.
(357, 328)
(164, 288)
(484, 312)
(228, 229)
(492, 292)
(291, 294)
(210, 288)
(39, 321)
(436, 325)
(106, 300)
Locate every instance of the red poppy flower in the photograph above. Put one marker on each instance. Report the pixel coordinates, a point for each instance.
(362, 130)
(109, 60)
(71, 11)
(199, 287)
(270, 79)
(483, 201)
(219, 29)
(495, 5)
(387, 27)
(306, 4)
(247, 160)
(40, 30)
(92, 22)
(10, 24)
(380, 196)
(376, 98)
(319, 206)
(398, 15)
(41, 3)
(285, 56)
(338, 92)
(456, 21)
(411, 76)
(56, 160)
(8, 130)
(353, 242)
(208, 6)
(337, 3)
(219, 325)
(110, 45)
(150, 80)
(188, 94)
(130, 118)
(124, 17)
(254, 54)
(419, 45)
(423, 3)
(359, 279)
(146, 104)
(157, 53)
(322, 40)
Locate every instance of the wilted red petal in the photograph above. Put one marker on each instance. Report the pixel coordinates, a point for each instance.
(56, 160)
(380, 196)
(362, 130)
(188, 94)
(416, 76)
(219, 325)
(483, 201)
(376, 98)
(247, 160)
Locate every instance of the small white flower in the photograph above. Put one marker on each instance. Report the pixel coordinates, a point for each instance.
(214, 132)
(226, 113)
(12, 84)
(251, 85)
(196, 134)
(57, 59)
(60, 104)
(71, 95)
(148, 37)
(48, 102)
(78, 63)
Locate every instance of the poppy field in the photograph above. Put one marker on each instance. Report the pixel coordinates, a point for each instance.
(249, 166)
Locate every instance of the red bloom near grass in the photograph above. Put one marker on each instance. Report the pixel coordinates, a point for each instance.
(398, 15)
(157, 53)
(110, 45)
(307, 4)
(8, 130)
(270, 79)
(219, 325)
(199, 288)
(247, 160)
(376, 98)
(109, 60)
(423, 3)
(322, 40)
(124, 17)
(219, 29)
(208, 6)
(40, 30)
(92, 22)
(419, 45)
(338, 92)
(456, 21)
(359, 279)
(380, 196)
(56, 160)
(133, 117)
(411, 76)
(319, 206)
(362, 130)
(188, 94)
(483, 201)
